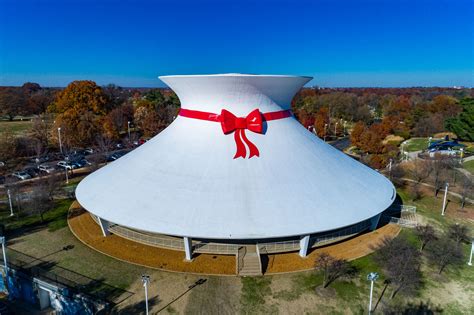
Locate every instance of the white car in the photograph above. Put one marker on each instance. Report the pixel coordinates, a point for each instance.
(66, 165)
(46, 168)
(21, 175)
(2, 163)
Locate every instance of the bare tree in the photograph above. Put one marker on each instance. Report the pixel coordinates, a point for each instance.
(421, 170)
(444, 252)
(40, 200)
(401, 264)
(426, 234)
(459, 233)
(438, 165)
(332, 268)
(467, 187)
(104, 145)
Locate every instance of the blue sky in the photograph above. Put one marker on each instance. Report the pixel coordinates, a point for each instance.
(339, 43)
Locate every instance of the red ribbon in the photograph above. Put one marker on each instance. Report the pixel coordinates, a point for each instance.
(230, 123)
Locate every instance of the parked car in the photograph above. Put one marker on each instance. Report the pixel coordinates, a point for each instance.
(81, 163)
(88, 151)
(32, 171)
(66, 165)
(21, 175)
(40, 159)
(2, 163)
(46, 169)
(2, 181)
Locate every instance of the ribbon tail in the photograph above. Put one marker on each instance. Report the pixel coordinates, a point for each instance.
(252, 147)
(241, 151)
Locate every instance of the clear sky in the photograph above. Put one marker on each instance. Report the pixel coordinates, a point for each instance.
(340, 43)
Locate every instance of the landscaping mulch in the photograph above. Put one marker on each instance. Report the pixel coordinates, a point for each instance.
(87, 231)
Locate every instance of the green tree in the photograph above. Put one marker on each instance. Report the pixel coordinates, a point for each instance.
(463, 124)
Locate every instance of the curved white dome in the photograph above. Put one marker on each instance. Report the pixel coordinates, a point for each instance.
(185, 182)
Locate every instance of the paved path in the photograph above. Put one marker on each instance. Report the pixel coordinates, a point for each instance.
(431, 186)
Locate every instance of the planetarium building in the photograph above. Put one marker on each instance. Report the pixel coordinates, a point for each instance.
(235, 169)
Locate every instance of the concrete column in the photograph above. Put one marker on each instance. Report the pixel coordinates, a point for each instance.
(374, 221)
(188, 248)
(304, 245)
(104, 226)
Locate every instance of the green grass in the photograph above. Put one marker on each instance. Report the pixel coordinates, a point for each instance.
(416, 144)
(254, 291)
(54, 219)
(469, 165)
(18, 128)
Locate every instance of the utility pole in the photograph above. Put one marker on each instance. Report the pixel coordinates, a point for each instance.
(444, 199)
(371, 277)
(60, 142)
(10, 202)
(146, 280)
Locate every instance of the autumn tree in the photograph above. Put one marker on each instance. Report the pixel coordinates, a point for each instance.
(356, 134)
(321, 122)
(12, 102)
(147, 119)
(420, 170)
(80, 108)
(117, 120)
(425, 234)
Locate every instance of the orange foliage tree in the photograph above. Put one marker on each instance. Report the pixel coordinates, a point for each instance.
(321, 119)
(80, 108)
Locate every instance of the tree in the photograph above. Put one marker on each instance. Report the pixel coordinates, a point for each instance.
(356, 133)
(459, 233)
(438, 167)
(12, 102)
(147, 120)
(401, 264)
(420, 170)
(444, 252)
(321, 122)
(426, 234)
(116, 120)
(80, 108)
(463, 124)
(332, 268)
(40, 199)
(467, 186)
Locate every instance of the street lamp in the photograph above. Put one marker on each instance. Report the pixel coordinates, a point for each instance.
(390, 168)
(67, 175)
(325, 128)
(345, 122)
(59, 138)
(128, 125)
(462, 153)
(371, 277)
(472, 250)
(335, 130)
(10, 202)
(445, 196)
(429, 141)
(146, 280)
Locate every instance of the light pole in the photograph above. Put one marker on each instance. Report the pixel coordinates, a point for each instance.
(472, 250)
(3, 241)
(128, 125)
(390, 168)
(10, 202)
(335, 130)
(371, 277)
(445, 196)
(146, 280)
(429, 141)
(325, 128)
(59, 138)
(345, 122)
(462, 154)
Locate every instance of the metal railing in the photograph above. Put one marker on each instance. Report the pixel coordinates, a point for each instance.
(176, 243)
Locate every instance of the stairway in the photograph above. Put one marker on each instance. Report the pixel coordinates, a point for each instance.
(248, 260)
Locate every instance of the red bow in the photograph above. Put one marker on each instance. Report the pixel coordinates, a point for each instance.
(231, 123)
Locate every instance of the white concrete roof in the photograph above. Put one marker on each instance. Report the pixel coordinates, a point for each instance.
(185, 181)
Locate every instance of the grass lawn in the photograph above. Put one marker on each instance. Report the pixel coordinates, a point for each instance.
(17, 127)
(416, 144)
(300, 293)
(469, 165)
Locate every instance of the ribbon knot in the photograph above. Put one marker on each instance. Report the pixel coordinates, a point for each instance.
(253, 122)
(230, 123)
